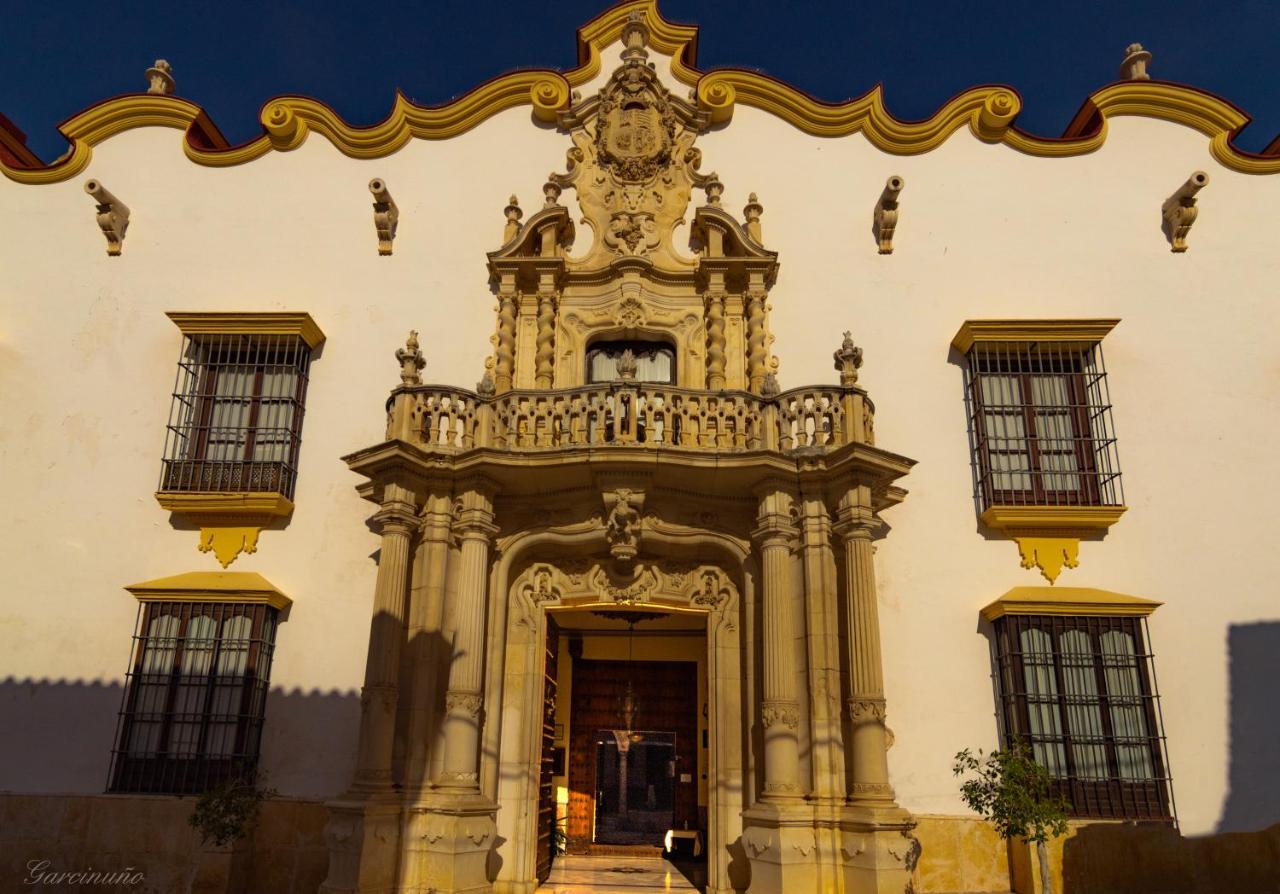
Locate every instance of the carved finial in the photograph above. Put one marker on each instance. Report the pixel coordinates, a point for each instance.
(770, 388)
(714, 188)
(1179, 210)
(886, 213)
(485, 387)
(1134, 66)
(848, 358)
(551, 193)
(113, 215)
(160, 78)
(628, 366)
(386, 214)
(635, 34)
(752, 213)
(514, 214)
(411, 360)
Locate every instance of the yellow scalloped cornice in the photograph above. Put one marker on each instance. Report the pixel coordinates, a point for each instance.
(212, 586)
(989, 112)
(1068, 601)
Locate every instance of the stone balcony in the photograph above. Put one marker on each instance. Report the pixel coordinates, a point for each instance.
(623, 413)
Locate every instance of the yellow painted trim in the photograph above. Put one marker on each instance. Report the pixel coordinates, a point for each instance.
(1061, 520)
(234, 505)
(249, 323)
(212, 586)
(1092, 330)
(1068, 601)
(989, 112)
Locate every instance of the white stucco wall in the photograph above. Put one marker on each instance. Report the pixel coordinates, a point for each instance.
(87, 363)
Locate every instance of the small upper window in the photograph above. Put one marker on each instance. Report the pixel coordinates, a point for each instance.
(1040, 422)
(236, 419)
(655, 362)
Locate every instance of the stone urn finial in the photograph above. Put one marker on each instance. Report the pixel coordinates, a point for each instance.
(513, 213)
(551, 193)
(411, 360)
(486, 387)
(635, 34)
(628, 366)
(160, 78)
(848, 358)
(714, 188)
(1134, 66)
(770, 388)
(752, 213)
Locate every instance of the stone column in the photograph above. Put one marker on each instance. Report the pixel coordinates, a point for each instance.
(775, 536)
(458, 821)
(757, 349)
(869, 772)
(878, 850)
(715, 340)
(545, 355)
(363, 828)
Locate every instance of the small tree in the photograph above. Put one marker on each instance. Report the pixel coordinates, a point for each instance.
(227, 812)
(1011, 791)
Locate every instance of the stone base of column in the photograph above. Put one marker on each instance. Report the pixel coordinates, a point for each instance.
(878, 851)
(363, 836)
(782, 848)
(448, 839)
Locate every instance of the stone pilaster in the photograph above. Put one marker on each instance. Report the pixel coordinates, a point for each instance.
(821, 611)
(364, 825)
(454, 825)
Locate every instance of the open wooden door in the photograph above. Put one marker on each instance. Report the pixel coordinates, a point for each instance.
(546, 788)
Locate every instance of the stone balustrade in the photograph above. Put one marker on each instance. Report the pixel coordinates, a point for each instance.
(631, 413)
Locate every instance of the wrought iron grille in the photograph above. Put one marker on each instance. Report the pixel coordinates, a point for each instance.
(1081, 692)
(195, 696)
(1040, 426)
(236, 419)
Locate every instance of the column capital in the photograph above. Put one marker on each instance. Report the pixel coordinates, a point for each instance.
(473, 516)
(777, 515)
(780, 711)
(866, 709)
(395, 517)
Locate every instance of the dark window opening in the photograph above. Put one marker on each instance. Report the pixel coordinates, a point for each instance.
(195, 696)
(1080, 691)
(236, 419)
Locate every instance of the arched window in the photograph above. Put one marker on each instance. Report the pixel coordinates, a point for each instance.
(655, 361)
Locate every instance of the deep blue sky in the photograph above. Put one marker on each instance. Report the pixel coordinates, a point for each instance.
(58, 57)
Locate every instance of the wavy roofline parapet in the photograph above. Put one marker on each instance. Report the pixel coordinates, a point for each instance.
(988, 111)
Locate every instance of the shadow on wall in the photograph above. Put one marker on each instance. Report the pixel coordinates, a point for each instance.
(1253, 798)
(58, 736)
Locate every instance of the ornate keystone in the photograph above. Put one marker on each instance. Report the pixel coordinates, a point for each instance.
(622, 528)
(1134, 66)
(411, 360)
(160, 78)
(386, 215)
(886, 213)
(848, 358)
(1179, 211)
(113, 215)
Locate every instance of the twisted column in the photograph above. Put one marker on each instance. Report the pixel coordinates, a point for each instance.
(545, 355)
(464, 697)
(715, 341)
(505, 347)
(396, 521)
(755, 339)
(775, 536)
(869, 772)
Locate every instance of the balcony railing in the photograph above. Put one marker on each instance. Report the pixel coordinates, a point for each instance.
(626, 413)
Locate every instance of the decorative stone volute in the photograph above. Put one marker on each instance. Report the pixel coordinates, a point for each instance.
(411, 360)
(848, 358)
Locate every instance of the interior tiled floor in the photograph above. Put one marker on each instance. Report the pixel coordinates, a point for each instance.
(614, 875)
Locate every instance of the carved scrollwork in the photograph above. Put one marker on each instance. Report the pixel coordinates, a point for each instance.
(467, 703)
(786, 713)
(867, 710)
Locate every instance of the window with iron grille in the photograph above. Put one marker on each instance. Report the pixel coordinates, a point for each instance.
(194, 698)
(236, 419)
(1040, 425)
(1081, 691)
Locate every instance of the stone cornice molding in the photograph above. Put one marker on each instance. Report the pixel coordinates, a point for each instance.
(989, 112)
(1068, 601)
(212, 586)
